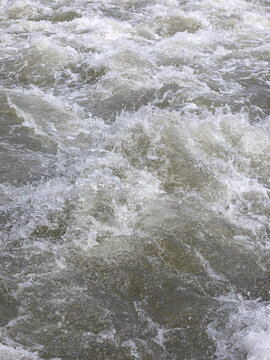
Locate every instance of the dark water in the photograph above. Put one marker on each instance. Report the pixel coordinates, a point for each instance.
(135, 158)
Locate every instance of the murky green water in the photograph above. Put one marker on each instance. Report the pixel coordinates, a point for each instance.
(135, 158)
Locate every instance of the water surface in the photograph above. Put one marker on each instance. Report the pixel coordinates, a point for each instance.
(135, 159)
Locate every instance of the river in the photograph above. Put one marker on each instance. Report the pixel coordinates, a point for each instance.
(134, 180)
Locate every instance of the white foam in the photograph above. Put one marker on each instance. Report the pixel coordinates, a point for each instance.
(247, 330)
(10, 353)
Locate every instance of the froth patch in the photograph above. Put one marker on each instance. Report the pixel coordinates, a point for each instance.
(20, 9)
(10, 353)
(247, 330)
(42, 59)
(254, 141)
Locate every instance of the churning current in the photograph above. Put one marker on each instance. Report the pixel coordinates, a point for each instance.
(134, 180)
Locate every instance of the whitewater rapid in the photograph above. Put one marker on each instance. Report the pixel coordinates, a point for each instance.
(134, 180)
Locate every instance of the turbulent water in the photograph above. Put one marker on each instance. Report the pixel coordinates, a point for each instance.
(135, 162)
